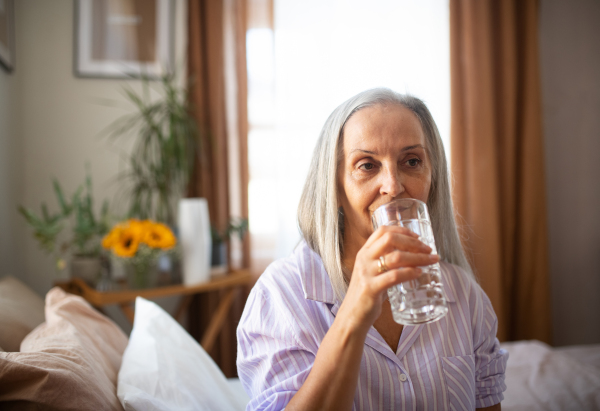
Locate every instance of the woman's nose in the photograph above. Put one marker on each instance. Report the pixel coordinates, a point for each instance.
(392, 183)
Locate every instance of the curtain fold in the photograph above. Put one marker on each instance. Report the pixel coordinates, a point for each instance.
(218, 94)
(207, 93)
(498, 159)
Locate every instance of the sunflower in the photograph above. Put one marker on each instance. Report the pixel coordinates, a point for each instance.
(158, 235)
(128, 242)
(112, 237)
(125, 238)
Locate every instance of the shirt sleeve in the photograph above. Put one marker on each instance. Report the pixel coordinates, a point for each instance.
(490, 359)
(272, 364)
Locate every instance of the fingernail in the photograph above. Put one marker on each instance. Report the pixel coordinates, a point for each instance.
(433, 257)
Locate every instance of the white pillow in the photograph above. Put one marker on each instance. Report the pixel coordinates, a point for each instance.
(164, 368)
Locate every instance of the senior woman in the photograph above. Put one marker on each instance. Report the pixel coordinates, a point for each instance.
(317, 331)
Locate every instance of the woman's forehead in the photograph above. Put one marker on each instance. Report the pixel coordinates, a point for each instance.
(389, 125)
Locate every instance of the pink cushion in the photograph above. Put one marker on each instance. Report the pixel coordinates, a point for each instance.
(21, 310)
(70, 362)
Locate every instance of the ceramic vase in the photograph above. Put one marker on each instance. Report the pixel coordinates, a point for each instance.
(195, 240)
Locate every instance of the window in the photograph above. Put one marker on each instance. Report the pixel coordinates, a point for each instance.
(320, 53)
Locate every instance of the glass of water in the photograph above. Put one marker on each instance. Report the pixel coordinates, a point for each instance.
(421, 300)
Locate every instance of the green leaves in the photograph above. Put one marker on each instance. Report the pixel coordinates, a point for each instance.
(78, 213)
(46, 228)
(237, 226)
(162, 159)
(60, 197)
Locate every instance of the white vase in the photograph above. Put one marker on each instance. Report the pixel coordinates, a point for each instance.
(195, 240)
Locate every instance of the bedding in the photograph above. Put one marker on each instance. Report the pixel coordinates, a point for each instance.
(587, 354)
(21, 310)
(539, 377)
(70, 362)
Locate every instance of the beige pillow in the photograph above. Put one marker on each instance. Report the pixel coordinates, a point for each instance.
(71, 362)
(21, 310)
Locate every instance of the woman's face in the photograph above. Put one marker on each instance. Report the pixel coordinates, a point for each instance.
(384, 158)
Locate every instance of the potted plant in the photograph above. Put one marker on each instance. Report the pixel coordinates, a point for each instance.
(220, 239)
(81, 242)
(163, 155)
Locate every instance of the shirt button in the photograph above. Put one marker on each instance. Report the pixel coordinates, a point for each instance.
(403, 377)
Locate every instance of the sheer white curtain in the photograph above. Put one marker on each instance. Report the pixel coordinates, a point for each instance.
(320, 53)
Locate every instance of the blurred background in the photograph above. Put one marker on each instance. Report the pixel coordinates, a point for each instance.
(299, 61)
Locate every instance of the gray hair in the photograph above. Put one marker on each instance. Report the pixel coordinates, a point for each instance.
(320, 222)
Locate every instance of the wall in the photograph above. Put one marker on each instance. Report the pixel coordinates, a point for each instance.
(10, 176)
(50, 120)
(50, 123)
(570, 64)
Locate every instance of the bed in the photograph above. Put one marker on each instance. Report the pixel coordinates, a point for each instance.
(63, 354)
(539, 377)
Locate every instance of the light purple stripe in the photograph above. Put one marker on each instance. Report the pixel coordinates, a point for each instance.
(289, 312)
(438, 364)
(370, 381)
(390, 383)
(429, 358)
(421, 394)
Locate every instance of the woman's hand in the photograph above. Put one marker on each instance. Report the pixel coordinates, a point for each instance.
(402, 253)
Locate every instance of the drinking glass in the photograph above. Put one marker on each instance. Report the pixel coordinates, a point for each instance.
(421, 300)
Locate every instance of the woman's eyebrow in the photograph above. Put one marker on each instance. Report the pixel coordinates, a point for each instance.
(375, 153)
(413, 147)
(363, 151)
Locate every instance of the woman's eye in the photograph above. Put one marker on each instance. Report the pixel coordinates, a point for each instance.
(367, 166)
(413, 162)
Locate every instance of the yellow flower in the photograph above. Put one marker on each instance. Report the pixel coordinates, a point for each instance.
(125, 238)
(128, 242)
(158, 235)
(112, 237)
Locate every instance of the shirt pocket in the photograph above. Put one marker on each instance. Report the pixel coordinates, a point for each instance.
(459, 373)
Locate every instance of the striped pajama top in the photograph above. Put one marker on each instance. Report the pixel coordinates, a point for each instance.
(455, 363)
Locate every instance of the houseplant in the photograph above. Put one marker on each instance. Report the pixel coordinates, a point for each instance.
(163, 155)
(220, 239)
(73, 232)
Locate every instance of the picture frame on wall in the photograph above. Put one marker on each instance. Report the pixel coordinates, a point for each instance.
(123, 38)
(7, 35)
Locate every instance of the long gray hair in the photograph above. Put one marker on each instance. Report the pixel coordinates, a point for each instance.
(318, 216)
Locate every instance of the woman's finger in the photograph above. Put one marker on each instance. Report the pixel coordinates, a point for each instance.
(394, 277)
(397, 259)
(389, 229)
(391, 241)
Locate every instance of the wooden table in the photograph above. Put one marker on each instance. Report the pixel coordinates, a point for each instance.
(124, 298)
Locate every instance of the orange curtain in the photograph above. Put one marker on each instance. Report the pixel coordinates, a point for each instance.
(218, 93)
(498, 158)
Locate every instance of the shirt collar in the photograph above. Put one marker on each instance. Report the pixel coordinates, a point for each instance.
(315, 281)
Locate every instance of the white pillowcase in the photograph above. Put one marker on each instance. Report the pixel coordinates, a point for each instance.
(164, 368)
